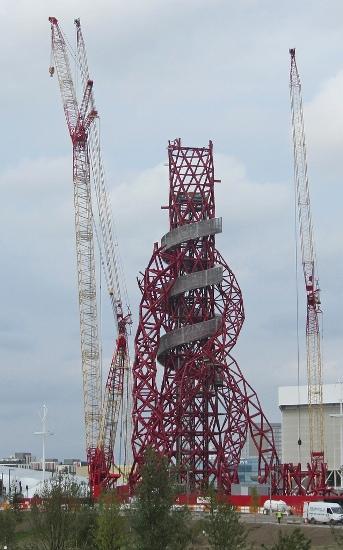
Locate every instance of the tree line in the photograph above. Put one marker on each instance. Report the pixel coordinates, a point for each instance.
(61, 520)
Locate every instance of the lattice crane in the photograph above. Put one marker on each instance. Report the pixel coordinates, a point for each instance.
(314, 359)
(101, 411)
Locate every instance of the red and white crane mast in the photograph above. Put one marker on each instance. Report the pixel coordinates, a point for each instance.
(119, 375)
(101, 415)
(314, 359)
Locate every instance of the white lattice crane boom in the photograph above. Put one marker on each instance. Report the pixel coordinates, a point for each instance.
(113, 275)
(313, 348)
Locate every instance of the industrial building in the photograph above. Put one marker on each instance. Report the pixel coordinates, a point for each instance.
(293, 403)
(249, 450)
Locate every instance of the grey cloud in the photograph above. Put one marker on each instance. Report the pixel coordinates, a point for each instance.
(199, 69)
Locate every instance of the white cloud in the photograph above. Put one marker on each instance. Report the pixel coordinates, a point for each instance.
(324, 126)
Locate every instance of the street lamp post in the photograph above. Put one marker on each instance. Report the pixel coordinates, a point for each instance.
(44, 433)
(334, 455)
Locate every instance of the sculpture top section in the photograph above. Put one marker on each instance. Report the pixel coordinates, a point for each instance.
(191, 183)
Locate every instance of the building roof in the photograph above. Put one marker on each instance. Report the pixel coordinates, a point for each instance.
(292, 395)
(30, 478)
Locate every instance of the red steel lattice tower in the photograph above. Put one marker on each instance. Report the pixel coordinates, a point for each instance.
(191, 401)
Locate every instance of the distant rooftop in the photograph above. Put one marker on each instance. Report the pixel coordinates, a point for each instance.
(292, 395)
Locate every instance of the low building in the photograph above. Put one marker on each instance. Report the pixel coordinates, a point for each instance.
(249, 450)
(17, 459)
(29, 482)
(293, 404)
(23, 458)
(51, 464)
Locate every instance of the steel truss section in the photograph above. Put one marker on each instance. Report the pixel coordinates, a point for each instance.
(191, 401)
(312, 481)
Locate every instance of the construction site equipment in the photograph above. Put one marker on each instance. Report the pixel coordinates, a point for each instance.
(313, 304)
(191, 401)
(101, 411)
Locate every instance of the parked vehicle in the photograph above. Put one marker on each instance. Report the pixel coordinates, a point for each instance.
(272, 506)
(322, 512)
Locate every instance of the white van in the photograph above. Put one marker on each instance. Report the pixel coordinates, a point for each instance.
(322, 512)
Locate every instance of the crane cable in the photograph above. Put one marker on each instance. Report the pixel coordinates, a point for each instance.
(100, 331)
(112, 231)
(125, 411)
(124, 436)
(299, 442)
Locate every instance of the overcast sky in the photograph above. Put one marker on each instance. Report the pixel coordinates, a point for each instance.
(195, 69)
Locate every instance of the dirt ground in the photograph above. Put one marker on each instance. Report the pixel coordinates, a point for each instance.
(267, 533)
(321, 537)
(260, 531)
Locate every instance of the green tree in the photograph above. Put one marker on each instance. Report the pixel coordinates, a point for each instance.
(112, 526)
(225, 530)
(255, 499)
(60, 519)
(83, 527)
(7, 528)
(295, 541)
(155, 524)
(182, 532)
